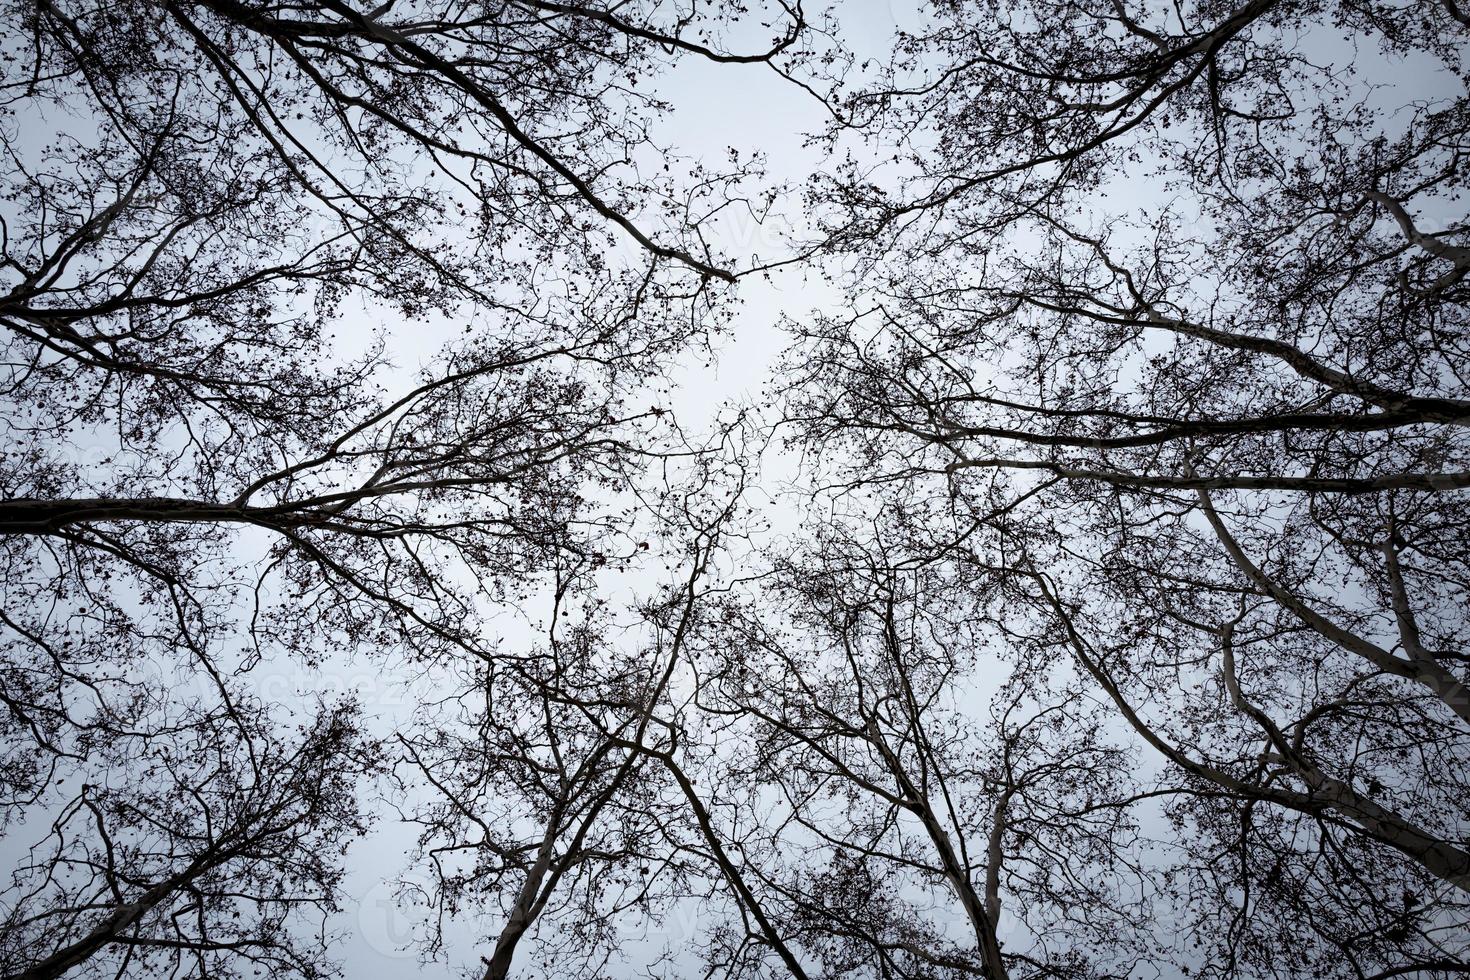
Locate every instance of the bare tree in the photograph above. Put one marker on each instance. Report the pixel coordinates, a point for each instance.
(561, 794)
(199, 475)
(205, 851)
(1161, 336)
(920, 800)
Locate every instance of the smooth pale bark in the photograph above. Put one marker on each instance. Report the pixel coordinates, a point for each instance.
(1441, 858)
(1424, 670)
(994, 855)
(976, 909)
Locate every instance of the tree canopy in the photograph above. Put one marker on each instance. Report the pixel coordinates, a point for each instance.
(1083, 595)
